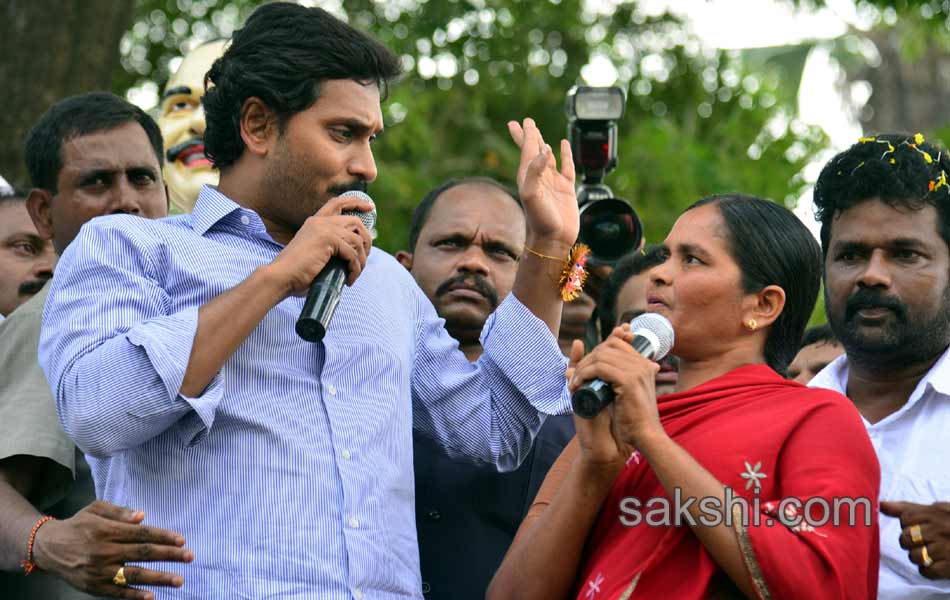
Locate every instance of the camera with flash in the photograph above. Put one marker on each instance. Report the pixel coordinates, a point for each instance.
(609, 225)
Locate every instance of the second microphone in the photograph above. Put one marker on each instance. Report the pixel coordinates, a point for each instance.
(652, 337)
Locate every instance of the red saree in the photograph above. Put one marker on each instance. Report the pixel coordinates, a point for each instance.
(763, 436)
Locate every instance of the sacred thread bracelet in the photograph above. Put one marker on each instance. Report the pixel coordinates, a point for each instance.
(29, 565)
(574, 271)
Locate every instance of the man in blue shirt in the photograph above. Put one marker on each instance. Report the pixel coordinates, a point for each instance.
(175, 365)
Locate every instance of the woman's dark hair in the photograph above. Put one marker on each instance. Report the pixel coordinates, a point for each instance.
(282, 55)
(899, 169)
(772, 246)
(74, 117)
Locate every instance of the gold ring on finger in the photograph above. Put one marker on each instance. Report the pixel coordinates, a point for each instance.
(926, 556)
(915, 535)
(119, 578)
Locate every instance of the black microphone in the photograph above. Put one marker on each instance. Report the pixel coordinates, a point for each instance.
(652, 337)
(327, 287)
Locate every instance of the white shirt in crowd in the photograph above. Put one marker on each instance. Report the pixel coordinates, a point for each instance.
(912, 449)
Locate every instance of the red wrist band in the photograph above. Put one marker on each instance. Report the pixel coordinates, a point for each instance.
(29, 565)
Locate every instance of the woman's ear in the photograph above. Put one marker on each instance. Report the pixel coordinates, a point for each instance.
(766, 306)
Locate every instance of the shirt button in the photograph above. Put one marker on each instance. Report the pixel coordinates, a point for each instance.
(332, 390)
(426, 588)
(434, 515)
(245, 219)
(358, 593)
(354, 523)
(346, 454)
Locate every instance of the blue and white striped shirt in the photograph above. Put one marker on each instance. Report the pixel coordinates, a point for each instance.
(291, 475)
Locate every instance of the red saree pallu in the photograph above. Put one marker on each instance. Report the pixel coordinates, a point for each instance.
(780, 448)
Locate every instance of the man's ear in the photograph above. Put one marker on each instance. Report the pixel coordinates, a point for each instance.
(405, 259)
(258, 126)
(40, 206)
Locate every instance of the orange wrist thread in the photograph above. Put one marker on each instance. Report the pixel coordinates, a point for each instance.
(29, 565)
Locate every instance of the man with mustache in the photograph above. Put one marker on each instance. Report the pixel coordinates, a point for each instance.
(465, 242)
(182, 121)
(26, 259)
(88, 156)
(884, 207)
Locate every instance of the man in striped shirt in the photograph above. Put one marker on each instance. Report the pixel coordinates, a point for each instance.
(175, 365)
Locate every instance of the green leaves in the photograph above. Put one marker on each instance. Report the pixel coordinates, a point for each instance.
(698, 121)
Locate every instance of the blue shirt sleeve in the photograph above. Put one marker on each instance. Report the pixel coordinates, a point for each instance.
(490, 411)
(113, 353)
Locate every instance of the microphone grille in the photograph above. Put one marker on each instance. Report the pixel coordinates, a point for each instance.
(368, 218)
(659, 326)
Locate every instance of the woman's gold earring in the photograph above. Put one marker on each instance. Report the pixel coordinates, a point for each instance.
(751, 325)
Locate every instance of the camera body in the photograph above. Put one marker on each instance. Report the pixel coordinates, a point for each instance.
(609, 225)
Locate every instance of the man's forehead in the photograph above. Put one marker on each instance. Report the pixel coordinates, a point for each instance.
(477, 205)
(874, 222)
(343, 99)
(117, 147)
(15, 219)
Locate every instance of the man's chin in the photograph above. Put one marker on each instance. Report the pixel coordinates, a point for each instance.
(873, 343)
(464, 315)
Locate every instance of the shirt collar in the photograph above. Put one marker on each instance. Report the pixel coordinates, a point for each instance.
(835, 377)
(939, 375)
(211, 207)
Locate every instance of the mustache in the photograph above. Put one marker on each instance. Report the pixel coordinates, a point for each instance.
(866, 298)
(476, 281)
(28, 288)
(172, 153)
(358, 185)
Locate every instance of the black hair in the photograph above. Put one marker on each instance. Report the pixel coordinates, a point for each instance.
(421, 215)
(627, 268)
(819, 334)
(76, 116)
(281, 55)
(899, 169)
(772, 246)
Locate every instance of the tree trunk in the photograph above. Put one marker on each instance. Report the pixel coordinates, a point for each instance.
(907, 96)
(50, 49)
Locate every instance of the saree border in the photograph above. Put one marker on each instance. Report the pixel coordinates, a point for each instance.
(748, 556)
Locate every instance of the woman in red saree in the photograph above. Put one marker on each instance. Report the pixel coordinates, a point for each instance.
(777, 483)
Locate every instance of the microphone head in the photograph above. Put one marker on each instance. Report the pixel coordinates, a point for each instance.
(368, 218)
(656, 326)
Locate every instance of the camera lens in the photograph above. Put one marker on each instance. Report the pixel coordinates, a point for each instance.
(611, 228)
